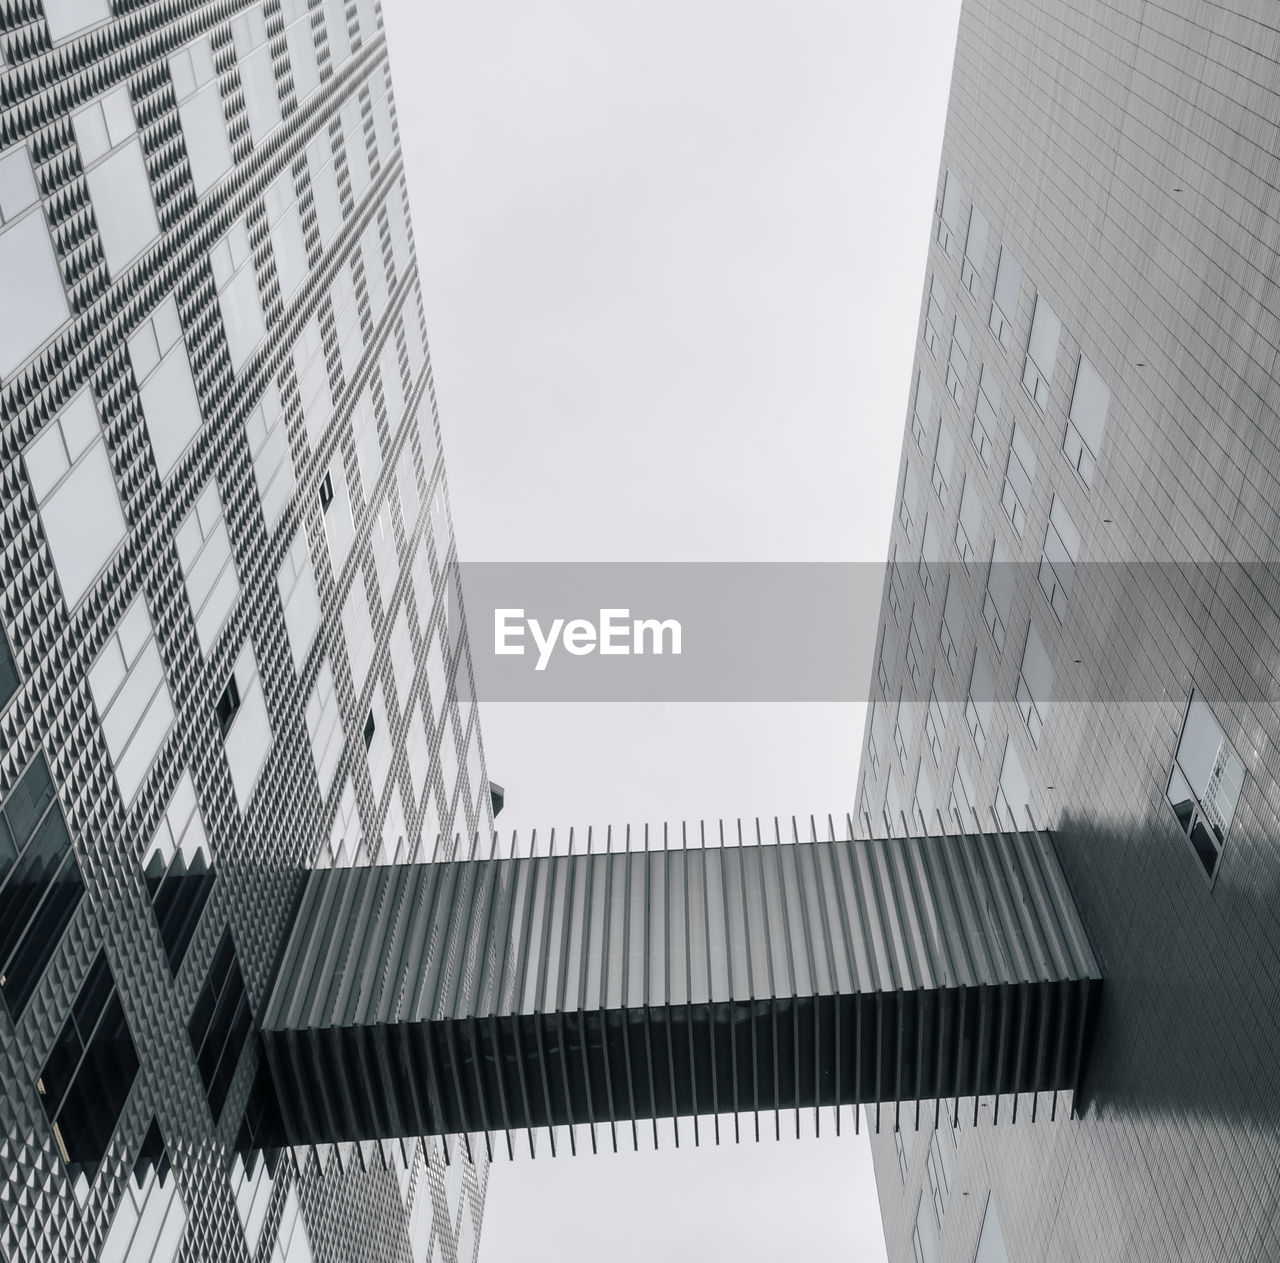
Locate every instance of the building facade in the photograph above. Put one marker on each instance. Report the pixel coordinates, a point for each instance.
(1080, 616)
(227, 655)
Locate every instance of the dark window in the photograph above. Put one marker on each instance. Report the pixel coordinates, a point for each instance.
(152, 1157)
(220, 1024)
(40, 883)
(8, 672)
(369, 729)
(1205, 783)
(178, 895)
(326, 491)
(228, 704)
(87, 1078)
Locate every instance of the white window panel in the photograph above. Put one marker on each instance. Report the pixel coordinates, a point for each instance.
(392, 381)
(291, 1244)
(324, 187)
(924, 1242)
(284, 221)
(375, 270)
(344, 836)
(339, 522)
(1013, 794)
(944, 458)
(346, 321)
(975, 250)
(269, 446)
(952, 212)
(923, 411)
(324, 726)
(1042, 352)
(440, 532)
(1020, 473)
(466, 1244)
(335, 25)
(75, 489)
(297, 584)
(1004, 308)
(979, 705)
(393, 845)
(909, 503)
(448, 756)
(383, 541)
(257, 75)
(415, 340)
(1035, 683)
(313, 382)
(119, 186)
(253, 1194)
(181, 828)
(384, 134)
(402, 658)
(204, 553)
(378, 744)
(427, 441)
(423, 597)
(133, 700)
(70, 17)
(302, 47)
(1089, 403)
(991, 1247)
(248, 740)
(935, 317)
(963, 796)
(357, 628)
(418, 753)
(398, 224)
(162, 369)
(475, 771)
(369, 454)
(410, 493)
(367, 16)
(997, 601)
(204, 126)
(28, 266)
(986, 415)
(149, 1224)
(969, 523)
(437, 683)
(238, 298)
(924, 804)
(357, 153)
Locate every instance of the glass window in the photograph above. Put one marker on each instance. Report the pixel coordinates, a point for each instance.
(268, 436)
(909, 505)
(346, 321)
(437, 679)
(151, 1218)
(313, 381)
(958, 361)
(208, 568)
(335, 25)
(969, 522)
(257, 75)
(375, 273)
(75, 489)
(923, 410)
(1035, 683)
(247, 736)
(162, 369)
(204, 127)
(1019, 474)
(369, 446)
(951, 633)
(417, 751)
(930, 556)
(1013, 793)
(220, 1024)
(1042, 352)
(40, 883)
(997, 599)
(302, 47)
(944, 458)
(961, 805)
(324, 187)
(986, 414)
(252, 1186)
(978, 707)
(8, 671)
(133, 700)
(401, 653)
(284, 220)
(1004, 307)
(1205, 783)
(324, 727)
(238, 297)
(991, 1241)
(176, 869)
(915, 642)
(296, 582)
(70, 17)
(119, 186)
(1058, 558)
(975, 250)
(935, 319)
(380, 100)
(935, 724)
(353, 141)
(345, 836)
(950, 212)
(1088, 420)
(357, 628)
(904, 730)
(924, 1242)
(924, 806)
(938, 1171)
(28, 265)
(339, 522)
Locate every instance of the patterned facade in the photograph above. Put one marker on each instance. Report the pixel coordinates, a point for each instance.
(226, 650)
(1081, 611)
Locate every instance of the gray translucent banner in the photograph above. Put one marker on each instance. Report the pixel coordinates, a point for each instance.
(807, 632)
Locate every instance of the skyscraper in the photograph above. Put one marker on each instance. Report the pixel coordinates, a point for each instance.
(226, 650)
(1080, 616)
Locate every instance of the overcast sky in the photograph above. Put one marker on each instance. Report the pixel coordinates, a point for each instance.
(672, 257)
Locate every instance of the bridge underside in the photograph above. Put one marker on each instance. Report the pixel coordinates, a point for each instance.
(506, 995)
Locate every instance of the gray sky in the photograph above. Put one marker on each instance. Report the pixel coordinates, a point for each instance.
(672, 257)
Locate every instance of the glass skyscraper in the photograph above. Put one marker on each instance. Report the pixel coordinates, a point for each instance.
(226, 651)
(1080, 620)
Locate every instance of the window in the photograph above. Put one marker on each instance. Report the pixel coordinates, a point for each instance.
(377, 744)
(901, 1143)
(417, 752)
(119, 186)
(986, 415)
(220, 1024)
(969, 522)
(313, 382)
(915, 645)
(403, 659)
(208, 568)
(357, 630)
(991, 1241)
(86, 1081)
(339, 522)
(893, 805)
(924, 807)
(268, 435)
(892, 594)
(975, 251)
(935, 723)
(204, 129)
(1042, 352)
(302, 48)
(284, 223)
(238, 297)
(997, 599)
(960, 807)
(252, 1184)
(923, 410)
(1013, 794)
(375, 278)
(958, 362)
(1019, 474)
(1004, 307)
(380, 100)
(904, 730)
(28, 265)
(908, 506)
(326, 491)
(944, 458)
(923, 1240)
(369, 728)
(8, 671)
(152, 1217)
(335, 25)
(178, 877)
(1035, 683)
(1205, 783)
(950, 212)
(979, 703)
(358, 171)
(133, 700)
(324, 726)
(938, 1170)
(346, 322)
(70, 17)
(324, 187)
(876, 740)
(952, 630)
(296, 583)
(162, 369)
(930, 556)
(257, 75)
(935, 319)
(75, 489)
(246, 729)
(1057, 560)
(1088, 420)
(40, 883)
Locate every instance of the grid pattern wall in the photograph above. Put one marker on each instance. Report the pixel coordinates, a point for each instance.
(1093, 412)
(225, 549)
